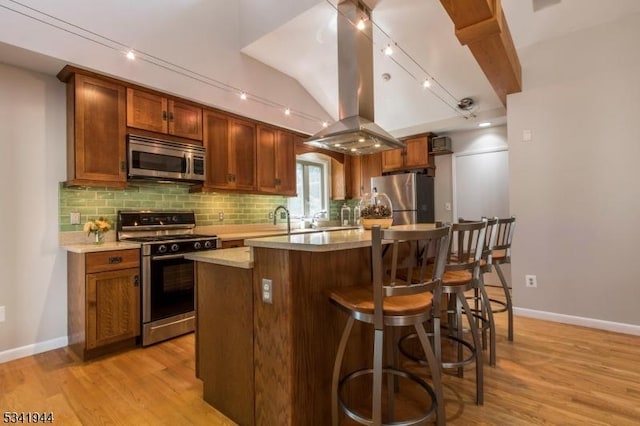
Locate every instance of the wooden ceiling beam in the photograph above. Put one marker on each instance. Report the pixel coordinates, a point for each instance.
(481, 25)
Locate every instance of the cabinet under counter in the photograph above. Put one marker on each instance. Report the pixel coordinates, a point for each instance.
(270, 361)
(103, 301)
(225, 331)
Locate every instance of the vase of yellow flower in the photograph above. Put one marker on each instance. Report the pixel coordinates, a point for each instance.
(98, 227)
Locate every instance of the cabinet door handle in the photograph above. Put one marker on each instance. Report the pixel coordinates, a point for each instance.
(136, 281)
(123, 166)
(164, 115)
(114, 260)
(170, 116)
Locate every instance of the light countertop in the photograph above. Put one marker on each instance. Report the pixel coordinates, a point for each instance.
(106, 246)
(258, 233)
(239, 257)
(326, 241)
(317, 241)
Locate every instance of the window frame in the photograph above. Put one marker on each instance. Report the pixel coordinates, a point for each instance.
(312, 159)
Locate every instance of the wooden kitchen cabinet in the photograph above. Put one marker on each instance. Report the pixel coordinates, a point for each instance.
(156, 113)
(276, 161)
(103, 301)
(362, 169)
(96, 126)
(415, 155)
(231, 152)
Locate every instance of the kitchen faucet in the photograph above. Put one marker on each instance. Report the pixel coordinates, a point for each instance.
(275, 217)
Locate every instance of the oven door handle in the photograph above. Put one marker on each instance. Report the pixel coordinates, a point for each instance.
(168, 257)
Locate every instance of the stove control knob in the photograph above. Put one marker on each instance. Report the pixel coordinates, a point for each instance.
(208, 244)
(197, 245)
(162, 249)
(175, 247)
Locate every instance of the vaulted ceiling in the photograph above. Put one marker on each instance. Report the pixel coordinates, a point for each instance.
(296, 40)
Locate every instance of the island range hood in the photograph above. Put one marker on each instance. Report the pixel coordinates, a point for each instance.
(355, 133)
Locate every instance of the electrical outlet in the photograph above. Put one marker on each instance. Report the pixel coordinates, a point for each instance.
(270, 215)
(74, 218)
(220, 216)
(2, 318)
(531, 281)
(283, 215)
(267, 291)
(447, 206)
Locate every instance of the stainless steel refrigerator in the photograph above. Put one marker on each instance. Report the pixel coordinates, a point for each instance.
(411, 196)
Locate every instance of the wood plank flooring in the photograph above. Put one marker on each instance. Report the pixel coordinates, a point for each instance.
(551, 374)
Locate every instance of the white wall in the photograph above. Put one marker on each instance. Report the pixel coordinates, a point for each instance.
(199, 36)
(574, 187)
(258, 17)
(462, 143)
(33, 284)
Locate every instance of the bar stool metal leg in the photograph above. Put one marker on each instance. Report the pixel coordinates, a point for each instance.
(509, 303)
(335, 381)
(478, 349)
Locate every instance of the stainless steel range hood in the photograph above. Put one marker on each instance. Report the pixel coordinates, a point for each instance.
(355, 133)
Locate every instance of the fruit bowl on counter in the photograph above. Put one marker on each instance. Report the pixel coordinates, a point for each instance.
(375, 209)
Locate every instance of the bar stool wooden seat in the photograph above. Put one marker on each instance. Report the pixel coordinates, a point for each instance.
(388, 302)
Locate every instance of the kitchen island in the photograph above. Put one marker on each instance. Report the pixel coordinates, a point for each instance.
(267, 359)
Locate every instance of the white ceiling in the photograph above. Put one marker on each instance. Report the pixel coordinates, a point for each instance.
(304, 48)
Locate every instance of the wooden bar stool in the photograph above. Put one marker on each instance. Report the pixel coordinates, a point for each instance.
(387, 302)
(482, 305)
(461, 275)
(502, 255)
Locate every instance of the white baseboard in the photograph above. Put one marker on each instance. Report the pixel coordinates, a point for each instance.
(36, 348)
(617, 327)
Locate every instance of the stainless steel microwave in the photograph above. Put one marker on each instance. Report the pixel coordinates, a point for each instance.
(156, 159)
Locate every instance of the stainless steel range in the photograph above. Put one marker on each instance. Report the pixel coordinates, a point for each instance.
(168, 279)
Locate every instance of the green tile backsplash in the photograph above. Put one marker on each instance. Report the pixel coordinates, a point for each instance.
(237, 208)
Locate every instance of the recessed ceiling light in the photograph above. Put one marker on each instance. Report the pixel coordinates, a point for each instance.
(484, 124)
(353, 150)
(377, 145)
(360, 139)
(337, 144)
(131, 55)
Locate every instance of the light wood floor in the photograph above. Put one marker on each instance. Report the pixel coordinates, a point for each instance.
(552, 374)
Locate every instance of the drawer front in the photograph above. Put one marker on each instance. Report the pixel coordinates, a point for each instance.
(112, 260)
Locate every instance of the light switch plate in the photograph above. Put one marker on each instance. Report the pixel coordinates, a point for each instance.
(267, 291)
(74, 218)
